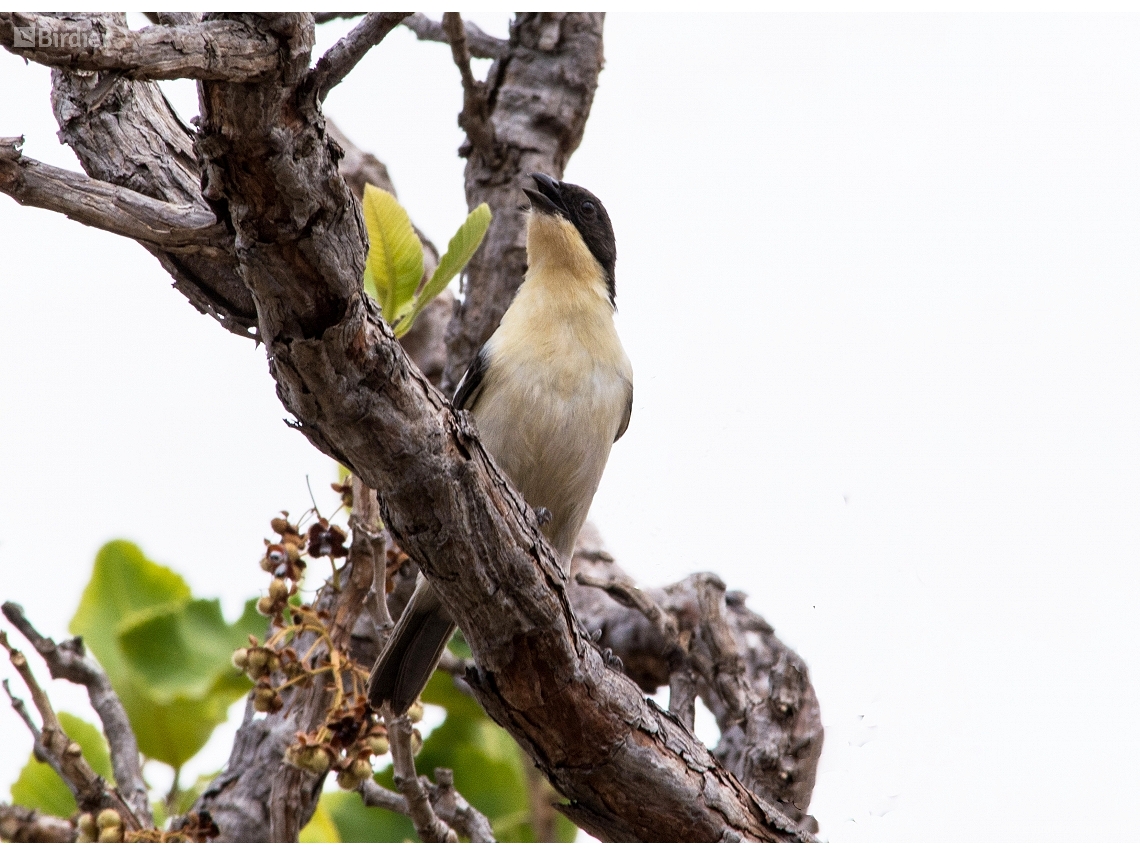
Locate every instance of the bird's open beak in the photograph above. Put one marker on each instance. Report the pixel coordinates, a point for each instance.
(547, 199)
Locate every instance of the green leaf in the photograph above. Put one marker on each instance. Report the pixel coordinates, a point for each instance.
(356, 823)
(459, 251)
(167, 655)
(39, 787)
(395, 263)
(322, 827)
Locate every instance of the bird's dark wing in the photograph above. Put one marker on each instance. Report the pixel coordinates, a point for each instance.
(472, 383)
(628, 413)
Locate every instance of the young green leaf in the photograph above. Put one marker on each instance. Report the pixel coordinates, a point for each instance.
(459, 251)
(395, 256)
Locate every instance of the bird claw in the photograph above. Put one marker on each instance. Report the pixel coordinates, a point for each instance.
(544, 516)
(613, 661)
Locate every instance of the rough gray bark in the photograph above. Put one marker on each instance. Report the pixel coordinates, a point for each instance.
(215, 50)
(629, 770)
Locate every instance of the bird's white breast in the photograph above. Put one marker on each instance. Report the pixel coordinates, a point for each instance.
(554, 396)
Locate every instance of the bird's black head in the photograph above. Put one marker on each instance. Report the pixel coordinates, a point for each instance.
(585, 211)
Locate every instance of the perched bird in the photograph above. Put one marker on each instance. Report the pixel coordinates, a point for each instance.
(550, 392)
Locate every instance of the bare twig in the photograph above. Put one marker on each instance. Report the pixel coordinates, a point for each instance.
(22, 711)
(68, 661)
(632, 597)
(369, 547)
(475, 118)
(24, 825)
(342, 57)
(105, 206)
(447, 802)
(213, 50)
(66, 757)
(429, 826)
(480, 44)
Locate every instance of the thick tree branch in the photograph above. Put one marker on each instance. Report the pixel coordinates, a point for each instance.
(700, 640)
(342, 57)
(68, 661)
(356, 396)
(479, 43)
(214, 50)
(105, 206)
(125, 133)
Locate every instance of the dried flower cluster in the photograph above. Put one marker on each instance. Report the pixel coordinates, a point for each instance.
(351, 734)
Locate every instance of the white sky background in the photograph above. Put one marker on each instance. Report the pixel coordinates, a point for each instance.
(878, 277)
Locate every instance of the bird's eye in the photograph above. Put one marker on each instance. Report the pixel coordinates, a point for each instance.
(588, 208)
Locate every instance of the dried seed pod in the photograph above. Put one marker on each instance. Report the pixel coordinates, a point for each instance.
(108, 818)
(240, 658)
(278, 590)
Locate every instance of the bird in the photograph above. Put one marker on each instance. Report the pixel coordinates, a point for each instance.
(550, 393)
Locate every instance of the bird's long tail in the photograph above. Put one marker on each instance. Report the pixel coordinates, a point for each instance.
(412, 652)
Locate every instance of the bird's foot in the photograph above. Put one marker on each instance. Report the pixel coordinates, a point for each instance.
(544, 516)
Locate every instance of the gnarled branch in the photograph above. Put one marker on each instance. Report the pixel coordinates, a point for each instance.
(105, 206)
(213, 50)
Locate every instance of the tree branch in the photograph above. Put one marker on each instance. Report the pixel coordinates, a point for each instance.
(475, 117)
(700, 640)
(480, 44)
(446, 801)
(342, 57)
(24, 825)
(429, 827)
(213, 50)
(66, 757)
(105, 206)
(124, 132)
(68, 661)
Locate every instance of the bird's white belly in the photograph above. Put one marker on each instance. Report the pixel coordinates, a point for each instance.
(550, 429)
